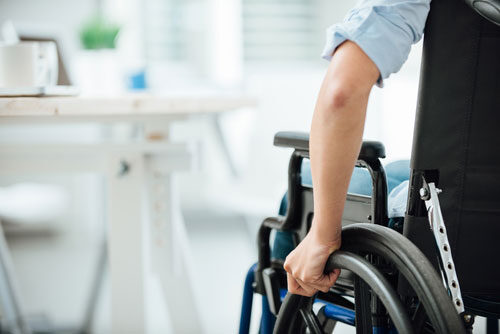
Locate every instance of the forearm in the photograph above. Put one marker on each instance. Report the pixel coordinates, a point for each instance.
(336, 134)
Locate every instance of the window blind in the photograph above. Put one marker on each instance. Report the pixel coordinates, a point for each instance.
(281, 30)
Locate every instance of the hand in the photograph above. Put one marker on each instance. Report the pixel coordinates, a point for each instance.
(305, 266)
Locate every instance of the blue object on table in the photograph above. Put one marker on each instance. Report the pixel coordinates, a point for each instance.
(137, 80)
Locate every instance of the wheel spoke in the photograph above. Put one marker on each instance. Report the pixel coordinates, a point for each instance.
(311, 321)
(419, 317)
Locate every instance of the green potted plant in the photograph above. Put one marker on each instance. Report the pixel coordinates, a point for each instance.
(97, 66)
(99, 33)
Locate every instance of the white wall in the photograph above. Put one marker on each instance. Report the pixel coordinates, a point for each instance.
(286, 94)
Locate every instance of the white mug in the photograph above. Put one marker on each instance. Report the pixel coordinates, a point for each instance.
(28, 64)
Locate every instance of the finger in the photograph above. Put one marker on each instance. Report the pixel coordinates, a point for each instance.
(322, 285)
(330, 278)
(286, 265)
(334, 275)
(311, 283)
(319, 284)
(325, 282)
(293, 286)
(307, 288)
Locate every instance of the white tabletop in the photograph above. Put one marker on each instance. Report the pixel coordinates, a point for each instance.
(126, 105)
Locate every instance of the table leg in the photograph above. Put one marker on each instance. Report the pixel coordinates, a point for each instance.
(125, 189)
(171, 255)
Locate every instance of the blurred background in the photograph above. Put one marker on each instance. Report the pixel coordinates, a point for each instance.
(266, 49)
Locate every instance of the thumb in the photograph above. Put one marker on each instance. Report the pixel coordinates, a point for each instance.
(325, 282)
(330, 278)
(334, 275)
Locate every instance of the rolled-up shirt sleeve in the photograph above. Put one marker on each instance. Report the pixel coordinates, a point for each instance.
(384, 29)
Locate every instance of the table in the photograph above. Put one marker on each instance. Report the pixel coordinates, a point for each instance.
(145, 229)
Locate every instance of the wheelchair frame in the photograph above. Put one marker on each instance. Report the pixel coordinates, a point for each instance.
(267, 277)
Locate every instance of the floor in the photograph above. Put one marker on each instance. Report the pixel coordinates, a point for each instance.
(55, 271)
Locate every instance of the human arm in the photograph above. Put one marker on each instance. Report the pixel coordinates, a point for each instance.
(336, 131)
(374, 40)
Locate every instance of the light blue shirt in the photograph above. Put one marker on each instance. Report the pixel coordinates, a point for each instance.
(384, 29)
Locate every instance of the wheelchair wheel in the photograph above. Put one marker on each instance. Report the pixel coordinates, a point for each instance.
(296, 313)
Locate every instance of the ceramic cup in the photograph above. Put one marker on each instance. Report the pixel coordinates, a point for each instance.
(28, 64)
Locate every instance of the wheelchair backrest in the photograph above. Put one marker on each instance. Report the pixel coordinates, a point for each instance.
(456, 142)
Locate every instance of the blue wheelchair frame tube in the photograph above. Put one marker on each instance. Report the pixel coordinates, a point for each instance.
(267, 319)
(246, 307)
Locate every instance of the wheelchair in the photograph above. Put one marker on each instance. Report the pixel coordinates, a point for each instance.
(373, 257)
(438, 270)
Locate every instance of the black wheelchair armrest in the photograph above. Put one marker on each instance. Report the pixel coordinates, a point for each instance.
(293, 139)
(370, 150)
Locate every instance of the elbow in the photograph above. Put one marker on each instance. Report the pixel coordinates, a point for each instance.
(348, 82)
(344, 94)
(343, 103)
(337, 98)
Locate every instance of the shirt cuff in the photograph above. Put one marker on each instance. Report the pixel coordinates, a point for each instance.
(335, 36)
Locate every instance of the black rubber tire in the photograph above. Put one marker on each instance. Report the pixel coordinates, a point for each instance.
(412, 264)
(408, 260)
(294, 304)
